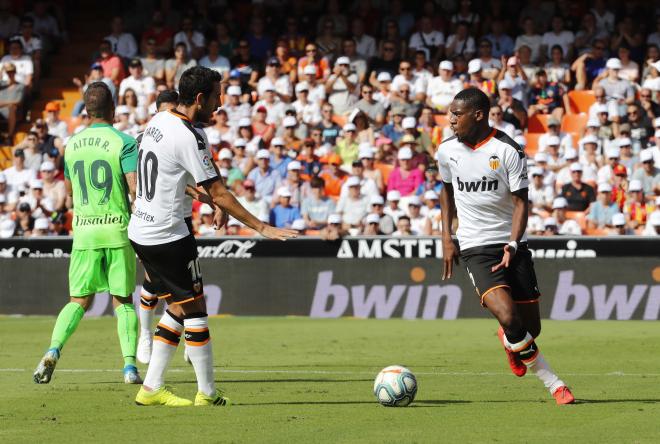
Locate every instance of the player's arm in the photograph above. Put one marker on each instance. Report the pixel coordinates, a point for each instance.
(128, 161)
(449, 251)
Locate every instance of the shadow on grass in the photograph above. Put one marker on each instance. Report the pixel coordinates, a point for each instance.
(616, 401)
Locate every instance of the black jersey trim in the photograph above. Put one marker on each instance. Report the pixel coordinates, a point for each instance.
(448, 139)
(503, 137)
(208, 182)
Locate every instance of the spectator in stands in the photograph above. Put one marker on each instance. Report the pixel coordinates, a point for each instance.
(404, 178)
(307, 112)
(294, 183)
(429, 40)
(214, 60)
(496, 120)
(255, 205)
(490, 66)
(648, 174)
(265, 178)
(348, 146)
(143, 86)
(635, 208)
(39, 204)
(24, 220)
(564, 140)
(514, 78)
(589, 65)
(641, 127)
(477, 80)
(557, 70)
(513, 109)
(392, 209)
(123, 121)
(49, 144)
(540, 194)
(12, 94)
(354, 205)
(283, 214)
(626, 157)
(53, 189)
(31, 153)
(371, 225)
(365, 44)
(403, 227)
(24, 67)
(564, 225)
(175, 67)
(653, 224)
(651, 108)
(235, 109)
(546, 97)
(192, 39)
(95, 75)
(273, 77)
(316, 208)
(461, 42)
(386, 223)
(45, 24)
(161, 33)
(442, 89)
(578, 194)
(311, 165)
(123, 43)
(278, 158)
(56, 126)
(312, 58)
(270, 106)
(530, 39)
(418, 222)
(32, 45)
(225, 158)
(557, 36)
(388, 58)
(367, 186)
(332, 175)
(341, 85)
(602, 210)
(333, 230)
(615, 87)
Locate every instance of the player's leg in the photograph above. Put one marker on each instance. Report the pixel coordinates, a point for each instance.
(148, 303)
(525, 292)
(120, 269)
(84, 281)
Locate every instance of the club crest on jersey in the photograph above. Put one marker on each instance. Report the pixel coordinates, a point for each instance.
(494, 162)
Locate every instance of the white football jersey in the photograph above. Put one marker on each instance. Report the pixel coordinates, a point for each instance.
(171, 151)
(483, 178)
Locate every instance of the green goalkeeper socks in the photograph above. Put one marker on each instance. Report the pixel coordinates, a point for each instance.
(127, 329)
(66, 324)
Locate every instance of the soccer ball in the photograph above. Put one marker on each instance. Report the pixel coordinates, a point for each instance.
(395, 386)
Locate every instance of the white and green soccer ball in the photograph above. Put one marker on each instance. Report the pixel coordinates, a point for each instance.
(395, 386)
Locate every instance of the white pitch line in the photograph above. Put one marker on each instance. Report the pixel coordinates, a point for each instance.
(326, 372)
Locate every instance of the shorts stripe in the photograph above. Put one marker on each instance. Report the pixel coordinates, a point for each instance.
(531, 301)
(187, 300)
(485, 293)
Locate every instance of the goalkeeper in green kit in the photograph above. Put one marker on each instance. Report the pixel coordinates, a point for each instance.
(99, 169)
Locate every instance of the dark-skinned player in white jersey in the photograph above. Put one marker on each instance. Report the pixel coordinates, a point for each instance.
(485, 176)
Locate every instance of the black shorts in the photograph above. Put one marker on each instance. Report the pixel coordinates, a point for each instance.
(150, 286)
(519, 277)
(173, 269)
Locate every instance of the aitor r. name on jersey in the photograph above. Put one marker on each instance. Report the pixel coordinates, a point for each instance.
(483, 178)
(171, 151)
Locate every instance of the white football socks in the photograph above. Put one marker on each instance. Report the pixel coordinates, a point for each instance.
(148, 303)
(200, 352)
(544, 372)
(166, 339)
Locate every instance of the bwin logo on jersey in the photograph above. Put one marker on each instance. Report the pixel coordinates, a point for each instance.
(494, 162)
(477, 185)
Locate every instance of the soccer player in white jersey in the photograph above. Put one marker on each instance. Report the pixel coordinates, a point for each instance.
(171, 152)
(485, 175)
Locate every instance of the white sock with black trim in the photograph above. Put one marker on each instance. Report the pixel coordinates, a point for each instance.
(200, 352)
(166, 340)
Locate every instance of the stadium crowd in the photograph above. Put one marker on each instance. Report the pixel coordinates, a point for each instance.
(332, 111)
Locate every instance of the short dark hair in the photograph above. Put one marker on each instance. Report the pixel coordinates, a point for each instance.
(98, 100)
(317, 182)
(404, 217)
(195, 80)
(475, 99)
(167, 96)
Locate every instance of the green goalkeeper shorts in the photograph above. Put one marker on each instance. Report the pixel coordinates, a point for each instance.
(102, 269)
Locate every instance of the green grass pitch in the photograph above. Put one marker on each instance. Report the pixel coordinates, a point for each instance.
(299, 380)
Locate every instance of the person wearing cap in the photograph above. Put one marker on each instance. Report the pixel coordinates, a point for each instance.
(432, 210)
(39, 204)
(332, 174)
(333, 229)
(442, 88)
(283, 214)
(143, 86)
(23, 63)
(296, 186)
(367, 186)
(371, 225)
(18, 175)
(341, 85)
(270, 104)
(11, 97)
(404, 178)
(348, 145)
(386, 224)
(550, 227)
(419, 223)
(316, 87)
(256, 205)
(540, 195)
(52, 189)
(307, 111)
(565, 226)
(578, 194)
(635, 208)
(626, 157)
(265, 178)
(372, 108)
(648, 174)
(602, 209)
(290, 134)
(652, 227)
(383, 82)
(606, 172)
(513, 78)
(123, 43)
(206, 226)
(496, 120)
(358, 63)
(317, 207)
(614, 86)
(477, 79)
(394, 129)
(353, 206)
(123, 121)
(619, 227)
(513, 109)
(392, 207)
(279, 158)
(234, 107)
(546, 97)
(366, 156)
(273, 76)
(225, 160)
(41, 227)
(56, 126)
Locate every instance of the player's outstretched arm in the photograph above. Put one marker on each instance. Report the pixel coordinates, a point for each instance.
(449, 251)
(225, 200)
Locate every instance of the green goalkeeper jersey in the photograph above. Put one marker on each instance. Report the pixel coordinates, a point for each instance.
(95, 161)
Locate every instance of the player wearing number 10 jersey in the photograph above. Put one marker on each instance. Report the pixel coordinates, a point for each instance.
(172, 154)
(99, 170)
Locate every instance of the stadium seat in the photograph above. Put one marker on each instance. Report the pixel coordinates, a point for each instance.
(441, 120)
(532, 146)
(538, 123)
(574, 123)
(580, 101)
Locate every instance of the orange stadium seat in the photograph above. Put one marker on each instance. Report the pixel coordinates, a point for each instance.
(580, 101)
(538, 123)
(339, 120)
(385, 170)
(532, 144)
(574, 123)
(578, 216)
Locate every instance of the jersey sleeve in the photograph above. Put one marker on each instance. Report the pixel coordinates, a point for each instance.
(443, 165)
(129, 154)
(197, 160)
(515, 163)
